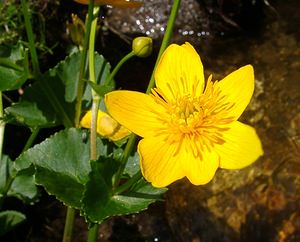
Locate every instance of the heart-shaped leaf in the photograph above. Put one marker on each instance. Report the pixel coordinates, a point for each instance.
(62, 164)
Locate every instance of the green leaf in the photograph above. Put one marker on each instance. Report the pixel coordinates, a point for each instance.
(101, 90)
(14, 69)
(23, 186)
(35, 109)
(18, 184)
(99, 201)
(9, 220)
(6, 169)
(62, 164)
(132, 165)
(68, 71)
(28, 113)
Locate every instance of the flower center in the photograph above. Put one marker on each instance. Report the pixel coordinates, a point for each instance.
(196, 115)
(186, 114)
(199, 119)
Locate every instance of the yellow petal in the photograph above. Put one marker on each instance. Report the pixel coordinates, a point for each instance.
(110, 128)
(241, 148)
(201, 169)
(180, 72)
(106, 126)
(238, 87)
(163, 163)
(136, 111)
(159, 165)
(85, 122)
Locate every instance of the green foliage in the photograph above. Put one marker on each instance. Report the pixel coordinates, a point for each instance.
(13, 67)
(64, 169)
(17, 184)
(23, 186)
(42, 105)
(51, 102)
(132, 165)
(100, 202)
(62, 164)
(9, 220)
(10, 25)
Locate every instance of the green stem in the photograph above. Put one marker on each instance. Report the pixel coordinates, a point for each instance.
(93, 233)
(80, 88)
(30, 36)
(2, 126)
(68, 231)
(137, 176)
(127, 151)
(7, 63)
(32, 137)
(92, 75)
(119, 65)
(166, 39)
(36, 68)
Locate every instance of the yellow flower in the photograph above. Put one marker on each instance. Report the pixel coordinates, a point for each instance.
(115, 3)
(189, 129)
(106, 126)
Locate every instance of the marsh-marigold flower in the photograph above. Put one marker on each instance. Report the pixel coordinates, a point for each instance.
(189, 129)
(106, 126)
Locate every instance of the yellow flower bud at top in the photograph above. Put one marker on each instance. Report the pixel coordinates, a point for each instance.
(142, 46)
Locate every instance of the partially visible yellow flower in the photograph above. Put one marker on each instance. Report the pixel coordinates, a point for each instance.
(115, 3)
(189, 129)
(106, 126)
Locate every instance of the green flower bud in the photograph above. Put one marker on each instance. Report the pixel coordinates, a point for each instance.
(76, 30)
(142, 46)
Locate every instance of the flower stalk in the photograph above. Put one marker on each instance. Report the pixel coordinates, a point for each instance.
(93, 231)
(68, 230)
(119, 65)
(30, 36)
(92, 77)
(82, 66)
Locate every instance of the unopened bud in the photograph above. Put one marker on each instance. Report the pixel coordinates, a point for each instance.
(142, 46)
(76, 30)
